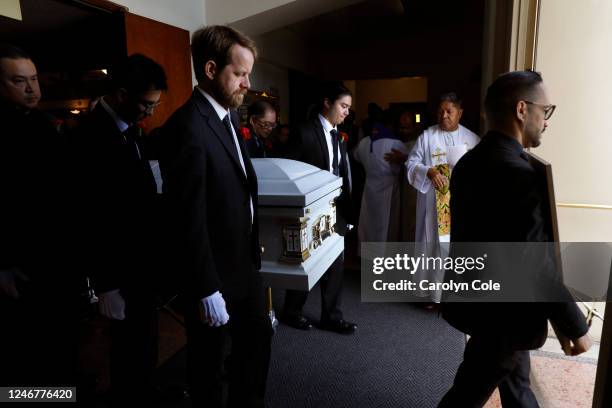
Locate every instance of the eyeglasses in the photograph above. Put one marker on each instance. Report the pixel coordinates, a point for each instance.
(266, 125)
(548, 109)
(149, 107)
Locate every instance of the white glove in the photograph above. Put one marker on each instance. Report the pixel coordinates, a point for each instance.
(112, 305)
(8, 279)
(213, 311)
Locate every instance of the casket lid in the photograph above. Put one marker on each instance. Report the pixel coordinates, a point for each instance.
(284, 182)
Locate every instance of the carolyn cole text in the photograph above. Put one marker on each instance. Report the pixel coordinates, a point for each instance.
(450, 286)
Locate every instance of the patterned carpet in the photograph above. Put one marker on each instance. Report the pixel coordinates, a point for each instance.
(400, 356)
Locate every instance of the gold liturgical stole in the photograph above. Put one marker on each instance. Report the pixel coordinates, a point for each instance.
(443, 202)
(443, 195)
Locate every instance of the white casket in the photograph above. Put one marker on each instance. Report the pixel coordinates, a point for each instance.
(297, 218)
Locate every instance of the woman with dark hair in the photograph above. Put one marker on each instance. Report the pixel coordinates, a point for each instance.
(261, 122)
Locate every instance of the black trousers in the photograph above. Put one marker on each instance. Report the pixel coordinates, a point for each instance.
(133, 353)
(490, 363)
(331, 294)
(247, 340)
(38, 344)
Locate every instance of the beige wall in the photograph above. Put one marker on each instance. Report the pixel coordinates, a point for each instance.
(573, 54)
(284, 48)
(255, 17)
(189, 15)
(10, 8)
(228, 11)
(386, 91)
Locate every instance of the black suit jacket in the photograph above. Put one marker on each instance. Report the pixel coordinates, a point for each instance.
(255, 146)
(119, 207)
(33, 194)
(206, 195)
(312, 149)
(495, 197)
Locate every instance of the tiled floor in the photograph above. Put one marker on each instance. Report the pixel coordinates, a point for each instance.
(563, 383)
(559, 381)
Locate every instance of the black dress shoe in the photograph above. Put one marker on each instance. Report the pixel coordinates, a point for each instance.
(338, 326)
(297, 322)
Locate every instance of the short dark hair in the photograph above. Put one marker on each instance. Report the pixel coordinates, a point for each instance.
(12, 52)
(259, 109)
(138, 74)
(332, 91)
(452, 98)
(213, 43)
(509, 88)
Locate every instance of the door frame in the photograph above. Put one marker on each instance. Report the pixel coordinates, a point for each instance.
(510, 43)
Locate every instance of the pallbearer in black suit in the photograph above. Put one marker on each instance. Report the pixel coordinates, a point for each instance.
(122, 221)
(210, 188)
(497, 354)
(321, 145)
(38, 294)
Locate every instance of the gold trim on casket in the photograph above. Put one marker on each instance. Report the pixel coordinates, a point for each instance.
(295, 242)
(297, 222)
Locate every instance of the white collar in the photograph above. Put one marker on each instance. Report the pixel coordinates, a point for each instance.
(121, 124)
(452, 132)
(326, 125)
(221, 111)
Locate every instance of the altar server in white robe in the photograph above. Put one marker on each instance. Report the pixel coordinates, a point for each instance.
(381, 184)
(403, 204)
(429, 166)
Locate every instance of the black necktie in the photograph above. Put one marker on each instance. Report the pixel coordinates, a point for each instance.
(334, 138)
(131, 135)
(228, 126)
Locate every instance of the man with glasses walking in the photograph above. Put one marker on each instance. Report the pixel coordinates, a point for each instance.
(495, 198)
(120, 212)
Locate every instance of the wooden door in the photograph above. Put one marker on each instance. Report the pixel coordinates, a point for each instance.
(169, 47)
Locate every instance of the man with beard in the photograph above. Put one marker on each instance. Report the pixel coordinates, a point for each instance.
(497, 354)
(38, 293)
(210, 189)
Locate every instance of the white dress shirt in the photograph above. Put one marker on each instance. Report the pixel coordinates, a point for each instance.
(122, 125)
(327, 128)
(222, 113)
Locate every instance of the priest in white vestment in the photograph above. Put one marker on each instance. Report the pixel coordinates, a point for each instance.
(429, 166)
(381, 183)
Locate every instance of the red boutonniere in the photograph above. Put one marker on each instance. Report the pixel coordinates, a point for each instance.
(245, 133)
(344, 136)
(268, 143)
